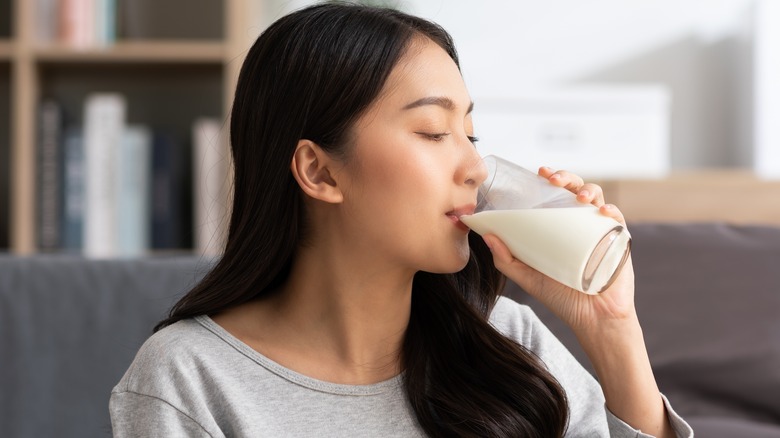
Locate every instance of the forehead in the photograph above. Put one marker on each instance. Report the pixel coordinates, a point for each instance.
(425, 70)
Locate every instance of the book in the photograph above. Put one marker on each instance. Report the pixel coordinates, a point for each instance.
(209, 186)
(104, 124)
(166, 193)
(105, 22)
(77, 23)
(133, 193)
(80, 24)
(49, 176)
(74, 193)
(170, 20)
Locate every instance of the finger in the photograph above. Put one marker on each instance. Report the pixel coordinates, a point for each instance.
(546, 172)
(591, 194)
(501, 254)
(567, 180)
(530, 280)
(612, 211)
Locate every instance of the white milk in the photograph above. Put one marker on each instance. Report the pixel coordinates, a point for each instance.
(557, 241)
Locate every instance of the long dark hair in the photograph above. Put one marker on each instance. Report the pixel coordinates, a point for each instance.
(311, 75)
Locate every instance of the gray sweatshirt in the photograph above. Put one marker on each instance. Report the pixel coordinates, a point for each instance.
(195, 379)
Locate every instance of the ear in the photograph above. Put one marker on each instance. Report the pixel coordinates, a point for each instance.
(312, 167)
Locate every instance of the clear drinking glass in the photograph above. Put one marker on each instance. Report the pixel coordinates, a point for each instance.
(545, 227)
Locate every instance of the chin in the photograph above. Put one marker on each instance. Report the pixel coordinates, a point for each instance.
(453, 266)
(452, 260)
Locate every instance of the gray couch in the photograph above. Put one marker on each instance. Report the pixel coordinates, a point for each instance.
(708, 296)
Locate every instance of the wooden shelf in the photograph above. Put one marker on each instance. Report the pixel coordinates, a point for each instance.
(132, 52)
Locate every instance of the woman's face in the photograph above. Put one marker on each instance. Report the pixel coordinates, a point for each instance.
(413, 168)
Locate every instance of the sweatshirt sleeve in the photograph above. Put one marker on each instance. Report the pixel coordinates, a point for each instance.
(135, 415)
(620, 429)
(163, 393)
(588, 414)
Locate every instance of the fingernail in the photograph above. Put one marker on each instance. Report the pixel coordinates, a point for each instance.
(584, 193)
(489, 245)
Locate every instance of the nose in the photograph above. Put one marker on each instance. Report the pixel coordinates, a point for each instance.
(477, 171)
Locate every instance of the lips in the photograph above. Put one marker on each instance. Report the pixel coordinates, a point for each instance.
(455, 214)
(462, 211)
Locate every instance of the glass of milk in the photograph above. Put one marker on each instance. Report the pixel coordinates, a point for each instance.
(545, 227)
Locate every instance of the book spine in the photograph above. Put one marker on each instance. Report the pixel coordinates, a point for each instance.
(166, 196)
(49, 169)
(74, 193)
(105, 22)
(104, 124)
(110, 17)
(209, 186)
(77, 23)
(133, 174)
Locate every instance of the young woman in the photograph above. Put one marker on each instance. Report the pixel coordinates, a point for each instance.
(350, 300)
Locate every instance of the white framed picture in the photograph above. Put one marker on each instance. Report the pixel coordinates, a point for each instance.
(595, 131)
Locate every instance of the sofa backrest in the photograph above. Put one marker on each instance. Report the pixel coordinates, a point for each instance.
(708, 296)
(69, 328)
(708, 299)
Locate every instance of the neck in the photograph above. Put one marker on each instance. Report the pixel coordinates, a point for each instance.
(351, 314)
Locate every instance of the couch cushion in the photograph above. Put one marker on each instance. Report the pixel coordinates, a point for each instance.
(708, 298)
(727, 427)
(69, 328)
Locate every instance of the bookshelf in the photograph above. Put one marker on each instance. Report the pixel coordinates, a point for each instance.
(164, 52)
(173, 61)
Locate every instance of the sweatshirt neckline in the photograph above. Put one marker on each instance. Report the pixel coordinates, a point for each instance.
(294, 376)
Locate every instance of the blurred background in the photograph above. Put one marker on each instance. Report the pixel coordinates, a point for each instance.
(113, 145)
(669, 105)
(694, 63)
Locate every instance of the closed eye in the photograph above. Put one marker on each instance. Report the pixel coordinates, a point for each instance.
(438, 136)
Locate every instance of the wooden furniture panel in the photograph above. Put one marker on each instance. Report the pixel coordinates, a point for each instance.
(734, 196)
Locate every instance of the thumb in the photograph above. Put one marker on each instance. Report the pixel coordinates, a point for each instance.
(513, 268)
(504, 260)
(501, 255)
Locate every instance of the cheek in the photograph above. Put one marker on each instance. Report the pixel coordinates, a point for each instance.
(409, 184)
(398, 174)
(393, 168)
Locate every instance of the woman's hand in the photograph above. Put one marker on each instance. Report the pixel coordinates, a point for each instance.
(580, 311)
(605, 324)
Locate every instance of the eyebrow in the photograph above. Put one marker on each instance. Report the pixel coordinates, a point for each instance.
(444, 102)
